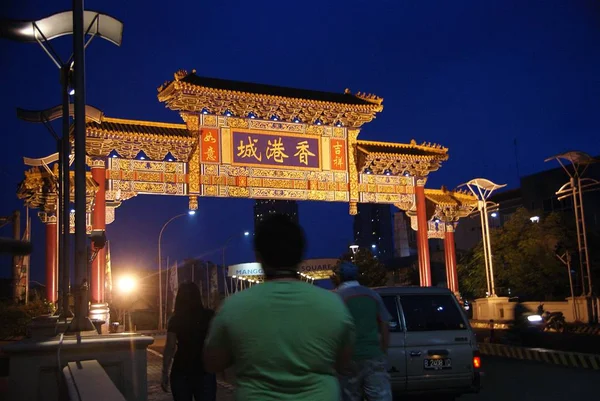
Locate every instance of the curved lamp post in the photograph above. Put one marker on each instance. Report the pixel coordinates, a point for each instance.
(160, 300)
(80, 24)
(482, 189)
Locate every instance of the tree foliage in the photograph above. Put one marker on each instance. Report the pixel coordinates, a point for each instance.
(524, 259)
(372, 272)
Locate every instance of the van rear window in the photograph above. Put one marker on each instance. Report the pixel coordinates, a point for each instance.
(431, 313)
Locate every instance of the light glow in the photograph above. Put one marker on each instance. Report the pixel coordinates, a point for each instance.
(127, 284)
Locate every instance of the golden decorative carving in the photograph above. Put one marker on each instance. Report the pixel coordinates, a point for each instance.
(317, 130)
(353, 209)
(276, 126)
(153, 138)
(192, 121)
(110, 215)
(193, 203)
(209, 121)
(352, 170)
(239, 192)
(210, 169)
(236, 122)
(185, 96)
(339, 132)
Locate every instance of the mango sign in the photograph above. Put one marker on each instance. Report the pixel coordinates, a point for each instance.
(307, 266)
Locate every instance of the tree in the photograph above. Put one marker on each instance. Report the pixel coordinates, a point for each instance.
(525, 262)
(372, 272)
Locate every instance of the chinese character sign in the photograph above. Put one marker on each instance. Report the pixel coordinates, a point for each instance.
(209, 145)
(338, 154)
(275, 150)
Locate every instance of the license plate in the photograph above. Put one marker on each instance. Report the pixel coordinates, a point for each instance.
(437, 364)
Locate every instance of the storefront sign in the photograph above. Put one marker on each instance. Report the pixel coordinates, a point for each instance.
(245, 269)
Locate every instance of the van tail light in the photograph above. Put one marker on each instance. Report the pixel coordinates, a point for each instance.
(476, 360)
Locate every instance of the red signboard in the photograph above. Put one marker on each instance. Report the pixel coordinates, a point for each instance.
(338, 154)
(209, 145)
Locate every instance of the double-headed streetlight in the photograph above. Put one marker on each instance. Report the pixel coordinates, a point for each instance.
(482, 189)
(160, 300)
(80, 24)
(246, 234)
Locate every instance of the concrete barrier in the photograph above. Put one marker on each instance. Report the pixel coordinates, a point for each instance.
(568, 359)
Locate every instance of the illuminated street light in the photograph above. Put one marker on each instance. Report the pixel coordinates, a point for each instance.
(373, 246)
(494, 214)
(127, 284)
(160, 300)
(246, 233)
(482, 189)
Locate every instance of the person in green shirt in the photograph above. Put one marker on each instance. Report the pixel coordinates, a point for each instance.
(286, 339)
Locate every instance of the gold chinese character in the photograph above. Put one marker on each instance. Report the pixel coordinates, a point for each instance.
(276, 150)
(303, 152)
(208, 137)
(337, 148)
(211, 154)
(338, 161)
(249, 149)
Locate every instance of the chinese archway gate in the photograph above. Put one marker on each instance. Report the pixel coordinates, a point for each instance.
(243, 140)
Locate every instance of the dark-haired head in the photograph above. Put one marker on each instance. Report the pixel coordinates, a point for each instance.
(188, 300)
(279, 245)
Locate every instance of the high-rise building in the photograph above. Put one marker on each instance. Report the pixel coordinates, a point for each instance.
(405, 238)
(265, 207)
(373, 229)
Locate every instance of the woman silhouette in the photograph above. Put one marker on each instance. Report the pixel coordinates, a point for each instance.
(186, 332)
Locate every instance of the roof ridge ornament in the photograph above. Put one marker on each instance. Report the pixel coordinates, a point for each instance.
(180, 74)
(369, 97)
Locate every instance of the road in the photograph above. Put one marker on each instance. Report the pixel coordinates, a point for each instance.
(508, 379)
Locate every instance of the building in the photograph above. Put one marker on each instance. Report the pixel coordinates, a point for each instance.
(405, 238)
(265, 207)
(373, 229)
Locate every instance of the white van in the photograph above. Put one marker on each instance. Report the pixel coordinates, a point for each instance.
(432, 346)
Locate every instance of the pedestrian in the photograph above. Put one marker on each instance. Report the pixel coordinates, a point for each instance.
(286, 339)
(186, 332)
(367, 377)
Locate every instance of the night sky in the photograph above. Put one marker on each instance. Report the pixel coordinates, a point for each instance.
(472, 75)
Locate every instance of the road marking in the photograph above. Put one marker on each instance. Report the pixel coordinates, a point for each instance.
(569, 359)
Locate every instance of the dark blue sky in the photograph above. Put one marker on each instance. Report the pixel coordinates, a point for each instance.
(472, 75)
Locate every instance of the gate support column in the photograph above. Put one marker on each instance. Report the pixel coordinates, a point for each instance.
(450, 251)
(99, 225)
(51, 256)
(422, 239)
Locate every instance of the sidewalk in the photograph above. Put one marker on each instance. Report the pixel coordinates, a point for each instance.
(155, 393)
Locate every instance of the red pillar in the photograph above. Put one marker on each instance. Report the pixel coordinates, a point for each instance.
(51, 259)
(99, 224)
(422, 240)
(450, 249)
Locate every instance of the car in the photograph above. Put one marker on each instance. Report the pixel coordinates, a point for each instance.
(432, 349)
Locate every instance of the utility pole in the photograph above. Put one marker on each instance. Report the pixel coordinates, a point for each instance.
(16, 267)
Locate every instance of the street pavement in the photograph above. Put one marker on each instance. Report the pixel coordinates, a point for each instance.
(155, 393)
(504, 379)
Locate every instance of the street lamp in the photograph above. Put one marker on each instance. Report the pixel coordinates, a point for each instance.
(575, 188)
(42, 32)
(246, 234)
(63, 180)
(126, 286)
(482, 189)
(160, 300)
